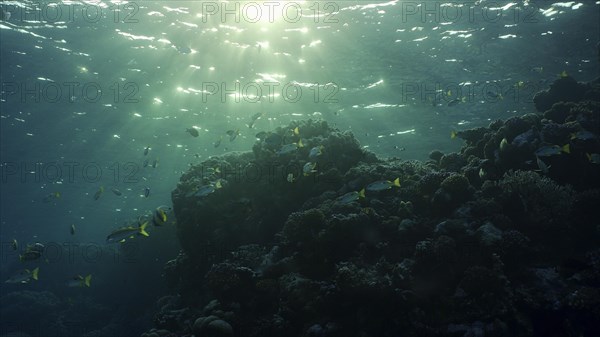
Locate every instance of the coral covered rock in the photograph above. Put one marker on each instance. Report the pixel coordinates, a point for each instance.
(498, 239)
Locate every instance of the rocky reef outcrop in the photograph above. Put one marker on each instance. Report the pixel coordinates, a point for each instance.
(499, 239)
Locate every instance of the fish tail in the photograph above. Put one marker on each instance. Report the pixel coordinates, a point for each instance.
(566, 148)
(397, 182)
(361, 194)
(143, 229)
(34, 273)
(87, 280)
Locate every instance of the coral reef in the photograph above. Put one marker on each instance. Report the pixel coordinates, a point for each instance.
(217, 222)
(35, 303)
(499, 239)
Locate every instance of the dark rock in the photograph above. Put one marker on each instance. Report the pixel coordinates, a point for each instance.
(564, 89)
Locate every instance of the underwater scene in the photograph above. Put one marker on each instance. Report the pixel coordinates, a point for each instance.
(300, 168)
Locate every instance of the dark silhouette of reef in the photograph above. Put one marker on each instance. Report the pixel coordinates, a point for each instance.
(483, 242)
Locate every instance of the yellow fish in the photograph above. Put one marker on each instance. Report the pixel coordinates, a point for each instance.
(99, 193)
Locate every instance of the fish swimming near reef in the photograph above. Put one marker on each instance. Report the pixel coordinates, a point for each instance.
(205, 190)
(543, 167)
(315, 152)
(80, 281)
(32, 252)
(289, 148)
(192, 131)
(51, 196)
(159, 217)
(350, 197)
(309, 168)
(383, 185)
(593, 158)
(253, 119)
(23, 276)
(547, 151)
(98, 193)
(233, 134)
(121, 234)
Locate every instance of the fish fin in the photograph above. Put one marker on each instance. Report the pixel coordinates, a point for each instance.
(57, 194)
(361, 194)
(453, 134)
(397, 182)
(161, 215)
(88, 280)
(589, 156)
(566, 148)
(300, 143)
(143, 229)
(34, 273)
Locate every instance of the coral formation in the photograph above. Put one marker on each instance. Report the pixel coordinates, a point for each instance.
(486, 241)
